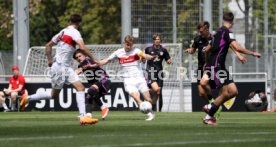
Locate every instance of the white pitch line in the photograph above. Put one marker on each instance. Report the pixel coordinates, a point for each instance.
(190, 134)
(34, 138)
(186, 142)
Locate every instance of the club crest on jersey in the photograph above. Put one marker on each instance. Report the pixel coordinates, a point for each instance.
(228, 104)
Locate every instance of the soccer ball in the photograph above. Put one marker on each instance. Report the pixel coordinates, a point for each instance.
(145, 107)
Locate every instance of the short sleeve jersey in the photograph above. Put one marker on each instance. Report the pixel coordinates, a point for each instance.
(221, 42)
(93, 74)
(66, 45)
(16, 81)
(199, 43)
(129, 61)
(161, 54)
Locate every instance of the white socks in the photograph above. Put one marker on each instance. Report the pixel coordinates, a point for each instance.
(80, 95)
(39, 96)
(5, 106)
(13, 106)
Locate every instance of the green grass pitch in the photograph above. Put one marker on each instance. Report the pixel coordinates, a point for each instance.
(62, 129)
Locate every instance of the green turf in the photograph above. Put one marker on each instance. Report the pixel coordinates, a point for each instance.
(62, 129)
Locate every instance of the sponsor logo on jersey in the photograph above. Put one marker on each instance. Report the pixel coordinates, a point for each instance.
(128, 59)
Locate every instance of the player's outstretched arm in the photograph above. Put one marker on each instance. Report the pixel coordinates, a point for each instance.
(207, 48)
(240, 57)
(79, 71)
(190, 50)
(82, 46)
(240, 49)
(169, 61)
(146, 56)
(104, 61)
(48, 49)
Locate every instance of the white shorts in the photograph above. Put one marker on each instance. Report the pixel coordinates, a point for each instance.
(61, 75)
(137, 84)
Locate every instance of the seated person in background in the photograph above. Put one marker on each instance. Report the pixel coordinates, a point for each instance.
(97, 78)
(16, 87)
(257, 101)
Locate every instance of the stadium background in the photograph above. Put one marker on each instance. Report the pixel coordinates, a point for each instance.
(176, 20)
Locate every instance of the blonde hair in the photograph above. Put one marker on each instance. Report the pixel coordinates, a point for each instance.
(129, 39)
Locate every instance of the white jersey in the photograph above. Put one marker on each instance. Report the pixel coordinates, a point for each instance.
(66, 45)
(129, 62)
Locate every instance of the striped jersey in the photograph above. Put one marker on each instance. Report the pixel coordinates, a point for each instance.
(129, 61)
(66, 45)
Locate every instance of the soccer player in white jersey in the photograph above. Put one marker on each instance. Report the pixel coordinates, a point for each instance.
(61, 67)
(131, 72)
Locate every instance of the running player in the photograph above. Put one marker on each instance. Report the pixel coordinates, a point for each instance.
(97, 78)
(216, 76)
(61, 67)
(131, 72)
(154, 69)
(201, 41)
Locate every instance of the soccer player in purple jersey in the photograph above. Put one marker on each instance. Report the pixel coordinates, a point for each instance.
(97, 78)
(216, 76)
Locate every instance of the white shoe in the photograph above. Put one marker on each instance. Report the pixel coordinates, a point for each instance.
(150, 116)
(7, 110)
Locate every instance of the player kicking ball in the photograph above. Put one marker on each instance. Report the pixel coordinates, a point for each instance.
(97, 78)
(131, 72)
(61, 69)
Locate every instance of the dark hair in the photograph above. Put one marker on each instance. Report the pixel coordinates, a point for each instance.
(75, 18)
(78, 51)
(203, 24)
(129, 39)
(228, 16)
(156, 35)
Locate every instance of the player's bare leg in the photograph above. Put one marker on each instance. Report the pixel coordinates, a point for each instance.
(93, 92)
(13, 99)
(155, 94)
(227, 92)
(204, 88)
(212, 108)
(232, 90)
(147, 97)
(136, 97)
